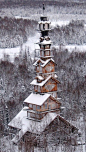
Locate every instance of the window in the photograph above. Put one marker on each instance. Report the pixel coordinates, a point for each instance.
(40, 69)
(32, 115)
(47, 47)
(47, 53)
(42, 47)
(49, 107)
(42, 53)
(42, 106)
(30, 105)
(53, 105)
(38, 89)
(45, 105)
(41, 26)
(46, 26)
(34, 107)
(38, 107)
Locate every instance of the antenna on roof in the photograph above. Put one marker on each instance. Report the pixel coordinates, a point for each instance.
(43, 8)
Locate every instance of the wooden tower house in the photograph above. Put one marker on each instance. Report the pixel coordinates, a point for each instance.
(44, 96)
(42, 106)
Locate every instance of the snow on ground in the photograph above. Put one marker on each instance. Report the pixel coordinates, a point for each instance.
(13, 52)
(76, 48)
(31, 43)
(6, 145)
(32, 40)
(59, 23)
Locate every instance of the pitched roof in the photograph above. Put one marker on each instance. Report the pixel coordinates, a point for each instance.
(21, 122)
(37, 99)
(35, 64)
(34, 82)
(43, 62)
(47, 61)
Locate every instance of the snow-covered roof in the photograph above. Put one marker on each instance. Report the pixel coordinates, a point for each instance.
(43, 62)
(40, 77)
(34, 82)
(45, 42)
(21, 122)
(35, 64)
(47, 61)
(37, 99)
(44, 22)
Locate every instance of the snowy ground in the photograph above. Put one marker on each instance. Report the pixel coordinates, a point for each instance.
(31, 43)
(57, 19)
(13, 52)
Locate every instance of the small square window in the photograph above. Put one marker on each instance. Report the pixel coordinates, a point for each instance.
(53, 105)
(38, 107)
(34, 107)
(47, 53)
(36, 87)
(49, 107)
(30, 105)
(45, 105)
(42, 106)
(32, 115)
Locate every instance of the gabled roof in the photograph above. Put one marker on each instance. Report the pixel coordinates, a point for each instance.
(37, 99)
(34, 82)
(35, 64)
(43, 62)
(21, 122)
(47, 61)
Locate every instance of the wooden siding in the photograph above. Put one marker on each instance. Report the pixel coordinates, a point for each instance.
(39, 69)
(50, 86)
(50, 67)
(49, 104)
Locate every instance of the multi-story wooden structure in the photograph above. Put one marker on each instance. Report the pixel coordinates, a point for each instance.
(44, 97)
(42, 106)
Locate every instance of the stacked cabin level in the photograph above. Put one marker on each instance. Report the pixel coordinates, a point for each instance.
(44, 97)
